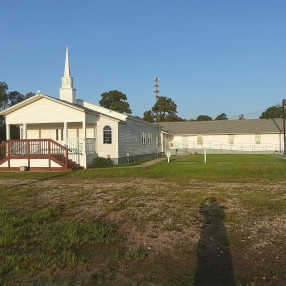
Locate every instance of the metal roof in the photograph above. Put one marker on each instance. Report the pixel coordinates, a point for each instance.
(244, 126)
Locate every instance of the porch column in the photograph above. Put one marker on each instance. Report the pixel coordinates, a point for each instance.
(84, 136)
(24, 130)
(8, 134)
(66, 131)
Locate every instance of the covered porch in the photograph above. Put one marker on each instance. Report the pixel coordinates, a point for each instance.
(78, 137)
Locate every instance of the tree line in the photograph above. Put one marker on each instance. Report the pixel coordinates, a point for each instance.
(7, 99)
(164, 110)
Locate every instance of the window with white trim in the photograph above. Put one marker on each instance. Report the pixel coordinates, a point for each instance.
(231, 138)
(107, 135)
(149, 138)
(257, 138)
(200, 140)
(143, 137)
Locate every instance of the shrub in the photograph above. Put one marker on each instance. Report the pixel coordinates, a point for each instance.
(100, 162)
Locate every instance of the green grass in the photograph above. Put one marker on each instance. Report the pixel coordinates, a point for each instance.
(172, 227)
(141, 226)
(40, 240)
(244, 168)
(231, 158)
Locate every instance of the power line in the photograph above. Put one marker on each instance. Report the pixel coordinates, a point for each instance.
(245, 115)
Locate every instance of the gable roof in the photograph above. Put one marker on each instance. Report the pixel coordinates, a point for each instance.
(102, 110)
(40, 96)
(245, 126)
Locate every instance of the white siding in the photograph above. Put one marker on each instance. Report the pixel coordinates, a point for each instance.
(33, 133)
(107, 149)
(116, 115)
(45, 133)
(90, 131)
(44, 111)
(48, 131)
(241, 142)
(33, 163)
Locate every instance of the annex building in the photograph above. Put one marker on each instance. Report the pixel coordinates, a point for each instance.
(226, 136)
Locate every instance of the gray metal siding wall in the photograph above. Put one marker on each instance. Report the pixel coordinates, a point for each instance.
(130, 139)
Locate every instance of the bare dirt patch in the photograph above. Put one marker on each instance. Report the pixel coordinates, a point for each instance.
(181, 222)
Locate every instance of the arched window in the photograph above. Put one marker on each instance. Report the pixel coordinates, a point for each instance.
(107, 135)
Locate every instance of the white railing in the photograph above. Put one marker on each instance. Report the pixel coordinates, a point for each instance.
(74, 157)
(252, 147)
(76, 145)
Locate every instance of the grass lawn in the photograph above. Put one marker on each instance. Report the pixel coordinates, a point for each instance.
(178, 223)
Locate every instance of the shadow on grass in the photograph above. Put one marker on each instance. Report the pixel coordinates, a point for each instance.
(213, 254)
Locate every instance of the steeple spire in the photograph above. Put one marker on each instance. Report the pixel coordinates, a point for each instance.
(67, 65)
(67, 92)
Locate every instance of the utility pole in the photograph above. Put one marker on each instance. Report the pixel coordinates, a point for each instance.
(284, 135)
(156, 91)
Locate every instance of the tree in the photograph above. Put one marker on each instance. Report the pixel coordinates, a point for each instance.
(3, 100)
(115, 100)
(222, 116)
(165, 108)
(272, 112)
(180, 119)
(204, 118)
(7, 100)
(148, 116)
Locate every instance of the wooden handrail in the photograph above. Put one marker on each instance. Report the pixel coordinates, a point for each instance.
(34, 148)
(39, 140)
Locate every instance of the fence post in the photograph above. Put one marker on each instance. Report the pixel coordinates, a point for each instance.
(205, 155)
(49, 150)
(66, 160)
(29, 153)
(9, 155)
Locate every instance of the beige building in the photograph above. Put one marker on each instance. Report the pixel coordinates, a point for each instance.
(225, 136)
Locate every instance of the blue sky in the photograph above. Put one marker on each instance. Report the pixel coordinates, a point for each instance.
(212, 56)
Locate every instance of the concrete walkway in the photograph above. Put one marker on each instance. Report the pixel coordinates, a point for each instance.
(145, 164)
(151, 162)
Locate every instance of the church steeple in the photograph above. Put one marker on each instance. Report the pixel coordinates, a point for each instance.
(67, 92)
(67, 64)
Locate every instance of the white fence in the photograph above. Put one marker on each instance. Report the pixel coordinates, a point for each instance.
(76, 145)
(250, 147)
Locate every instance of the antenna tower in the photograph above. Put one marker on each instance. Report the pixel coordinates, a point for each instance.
(156, 90)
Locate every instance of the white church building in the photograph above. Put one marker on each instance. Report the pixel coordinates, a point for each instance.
(68, 133)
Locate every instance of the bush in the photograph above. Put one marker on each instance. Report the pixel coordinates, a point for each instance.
(100, 162)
